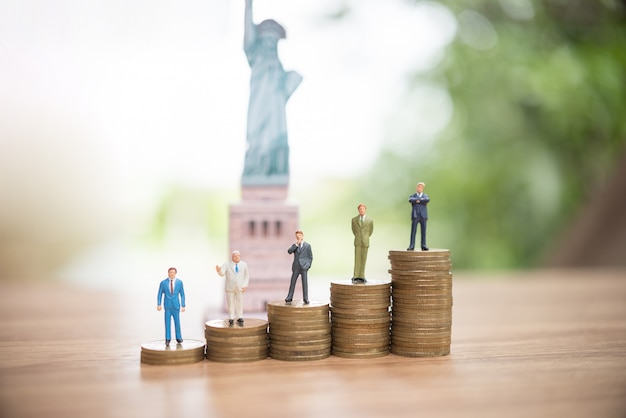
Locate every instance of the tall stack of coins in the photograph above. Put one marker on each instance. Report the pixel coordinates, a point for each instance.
(236, 343)
(360, 319)
(298, 331)
(421, 312)
(157, 352)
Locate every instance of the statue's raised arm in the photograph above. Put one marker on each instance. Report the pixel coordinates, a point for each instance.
(249, 31)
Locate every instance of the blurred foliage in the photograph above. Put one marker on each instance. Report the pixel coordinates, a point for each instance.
(538, 97)
(534, 95)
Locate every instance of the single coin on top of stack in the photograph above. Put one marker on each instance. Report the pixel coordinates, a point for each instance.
(157, 352)
(237, 342)
(421, 312)
(298, 331)
(360, 318)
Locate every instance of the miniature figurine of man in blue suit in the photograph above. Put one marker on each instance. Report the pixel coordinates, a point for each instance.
(419, 214)
(172, 294)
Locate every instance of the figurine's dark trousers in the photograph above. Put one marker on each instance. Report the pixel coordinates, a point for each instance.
(414, 222)
(299, 271)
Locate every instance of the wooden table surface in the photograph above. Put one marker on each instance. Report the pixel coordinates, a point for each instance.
(526, 344)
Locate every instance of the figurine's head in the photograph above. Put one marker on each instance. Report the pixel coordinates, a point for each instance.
(420, 187)
(362, 208)
(171, 272)
(235, 256)
(299, 235)
(272, 28)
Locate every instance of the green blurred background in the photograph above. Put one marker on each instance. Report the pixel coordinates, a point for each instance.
(528, 170)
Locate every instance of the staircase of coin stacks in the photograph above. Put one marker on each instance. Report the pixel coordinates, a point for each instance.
(411, 316)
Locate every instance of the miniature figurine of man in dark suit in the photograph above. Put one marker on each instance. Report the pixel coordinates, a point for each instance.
(302, 259)
(362, 228)
(419, 215)
(172, 294)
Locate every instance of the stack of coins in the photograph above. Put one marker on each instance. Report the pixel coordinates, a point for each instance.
(157, 352)
(360, 319)
(298, 331)
(421, 313)
(228, 343)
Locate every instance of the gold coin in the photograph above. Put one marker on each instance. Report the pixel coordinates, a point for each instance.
(369, 285)
(420, 267)
(360, 331)
(361, 348)
(408, 282)
(443, 351)
(417, 275)
(421, 314)
(419, 336)
(422, 294)
(360, 355)
(340, 337)
(420, 322)
(302, 357)
(237, 343)
(422, 328)
(156, 352)
(276, 347)
(340, 300)
(296, 306)
(299, 335)
(297, 352)
(237, 351)
(418, 253)
(362, 323)
(298, 329)
(284, 340)
(361, 345)
(236, 359)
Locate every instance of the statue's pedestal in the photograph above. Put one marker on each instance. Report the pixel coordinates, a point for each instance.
(262, 227)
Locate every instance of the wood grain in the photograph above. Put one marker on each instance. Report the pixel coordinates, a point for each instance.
(540, 344)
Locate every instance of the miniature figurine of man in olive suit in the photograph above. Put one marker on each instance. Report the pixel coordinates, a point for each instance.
(172, 295)
(419, 215)
(302, 260)
(362, 228)
(237, 278)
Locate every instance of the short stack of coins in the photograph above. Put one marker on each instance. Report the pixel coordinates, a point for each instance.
(230, 343)
(159, 353)
(360, 319)
(298, 331)
(421, 312)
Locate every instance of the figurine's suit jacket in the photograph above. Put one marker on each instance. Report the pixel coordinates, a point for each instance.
(302, 258)
(419, 210)
(235, 280)
(171, 300)
(362, 232)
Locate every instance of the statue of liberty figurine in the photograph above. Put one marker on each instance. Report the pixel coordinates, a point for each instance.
(267, 154)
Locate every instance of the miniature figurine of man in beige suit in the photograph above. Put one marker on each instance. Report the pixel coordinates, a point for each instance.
(237, 278)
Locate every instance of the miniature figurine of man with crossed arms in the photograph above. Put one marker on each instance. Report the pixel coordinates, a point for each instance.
(237, 278)
(419, 215)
